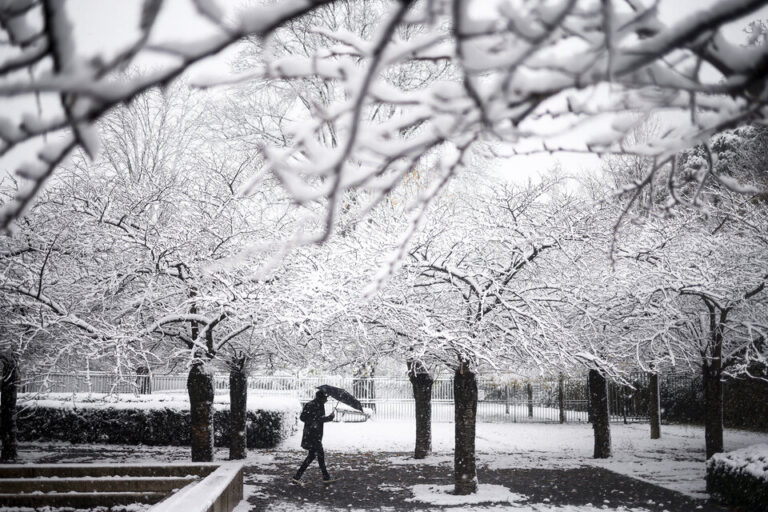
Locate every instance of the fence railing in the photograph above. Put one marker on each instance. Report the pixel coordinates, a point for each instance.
(386, 398)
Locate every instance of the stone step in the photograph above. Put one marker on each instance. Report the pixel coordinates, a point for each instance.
(97, 470)
(80, 499)
(99, 484)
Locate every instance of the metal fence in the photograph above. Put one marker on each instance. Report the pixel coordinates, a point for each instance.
(385, 398)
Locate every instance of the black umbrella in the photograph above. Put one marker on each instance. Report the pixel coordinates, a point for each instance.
(342, 395)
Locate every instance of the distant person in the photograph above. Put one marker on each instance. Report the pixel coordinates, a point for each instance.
(313, 416)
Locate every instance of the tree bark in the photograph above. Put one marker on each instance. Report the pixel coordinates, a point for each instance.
(590, 417)
(238, 399)
(200, 389)
(529, 388)
(624, 390)
(465, 400)
(712, 367)
(598, 401)
(422, 381)
(561, 397)
(144, 380)
(8, 397)
(713, 407)
(654, 405)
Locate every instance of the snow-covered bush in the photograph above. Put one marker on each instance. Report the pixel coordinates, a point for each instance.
(148, 420)
(740, 477)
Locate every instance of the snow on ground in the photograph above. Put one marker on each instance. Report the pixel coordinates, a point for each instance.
(443, 495)
(506, 507)
(45, 452)
(676, 461)
(510, 507)
(153, 401)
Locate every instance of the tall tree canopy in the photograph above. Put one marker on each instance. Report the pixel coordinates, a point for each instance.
(518, 69)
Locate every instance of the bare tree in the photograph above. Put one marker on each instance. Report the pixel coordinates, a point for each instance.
(683, 291)
(370, 127)
(481, 297)
(8, 398)
(120, 250)
(508, 70)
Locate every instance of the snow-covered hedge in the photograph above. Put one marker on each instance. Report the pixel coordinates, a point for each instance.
(147, 419)
(740, 477)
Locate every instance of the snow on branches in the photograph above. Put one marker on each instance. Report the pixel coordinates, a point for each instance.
(515, 68)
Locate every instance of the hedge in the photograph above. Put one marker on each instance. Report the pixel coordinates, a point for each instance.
(148, 422)
(745, 401)
(740, 478)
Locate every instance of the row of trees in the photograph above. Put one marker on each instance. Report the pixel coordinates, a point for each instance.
(133, 264)
(550, 284)
(356, 126)
(125, 265)
(395, 79)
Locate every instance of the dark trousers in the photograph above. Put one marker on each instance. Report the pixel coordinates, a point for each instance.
(314, 452)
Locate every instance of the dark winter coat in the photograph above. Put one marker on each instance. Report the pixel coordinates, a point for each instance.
(313, 416)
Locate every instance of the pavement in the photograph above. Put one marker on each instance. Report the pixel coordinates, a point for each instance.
(369, 481)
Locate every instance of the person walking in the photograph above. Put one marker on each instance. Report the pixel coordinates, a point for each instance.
(313, 416)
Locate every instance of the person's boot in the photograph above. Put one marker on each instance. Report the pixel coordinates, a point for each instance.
(297, 481)
(330, 480)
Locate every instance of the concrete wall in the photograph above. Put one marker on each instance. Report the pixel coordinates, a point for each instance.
(205, 487)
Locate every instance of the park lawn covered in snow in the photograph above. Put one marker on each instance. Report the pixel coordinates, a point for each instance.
(676, 461)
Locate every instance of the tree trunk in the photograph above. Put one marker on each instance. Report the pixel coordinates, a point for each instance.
(598, 401)
(624, 402)
(561, 397)
(713, 384)
(238, 399)
(465, 400)
(422, 381)
(713, 407)
(530, 400)
(144, 380)
(590, 417)
(654, 405)
(200, 389)
(8, 396)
